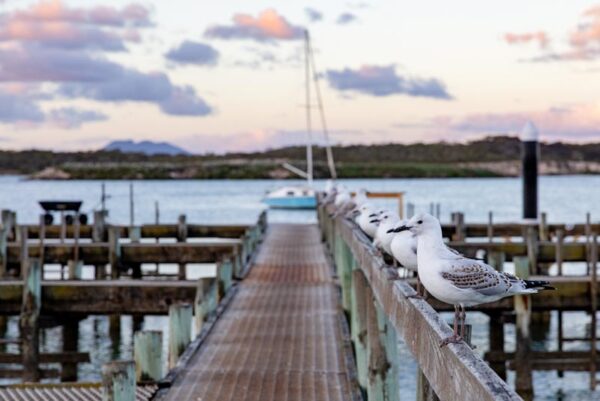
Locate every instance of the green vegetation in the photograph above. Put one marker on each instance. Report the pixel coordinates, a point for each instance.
(483, 158)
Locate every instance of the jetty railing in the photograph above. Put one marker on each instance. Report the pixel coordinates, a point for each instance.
(380, 312)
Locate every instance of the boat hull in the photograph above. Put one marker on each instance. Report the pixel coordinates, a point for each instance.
(295, 202)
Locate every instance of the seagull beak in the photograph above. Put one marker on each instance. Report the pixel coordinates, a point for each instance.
(373, 215)
(401, 228)
(355, 212)
(375, 221)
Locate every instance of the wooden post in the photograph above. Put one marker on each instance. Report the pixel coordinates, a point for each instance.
(401, 205)
(588, 238)
(70, 340)
(4, 231)
(359, 326)
(99, 235)
(559, 250)
(523, 382)
(75, 268)
(114, 252)
(376, 354)
(496, 260)
(182, 234)
(532, 249)
(118, 381)
(594, 309)
(28, 322)
(459, 223)
(114, 332)
(180, 330)
(131, 206)
(544, 235)
(392, 387)
(42, 242)
(224, 276)
(490, 226)
(424, 390)
(23, 241)
(344, 262)
(147, 351)
(203, 301)
(496, 341)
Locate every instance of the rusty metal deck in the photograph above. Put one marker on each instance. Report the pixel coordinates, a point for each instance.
(281, 338)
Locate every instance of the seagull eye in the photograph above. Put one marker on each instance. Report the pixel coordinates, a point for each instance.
(420, 222)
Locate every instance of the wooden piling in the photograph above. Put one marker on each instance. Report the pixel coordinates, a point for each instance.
(182, 234)
(594, 309)
(28, 322)
(24, 252)
(459, 224)
(490, 226)
(496, 341)
(224, 277)
(544, 234)
(70, 340)
(359, 326)
(524, 380)
(559, 251)
(497, 260)
(203, 301)
(114, 332)
(99, 235)
(378, 364)
(147, 351)
(114, 252)
(532, 248)
(180, 329)
(118, 381)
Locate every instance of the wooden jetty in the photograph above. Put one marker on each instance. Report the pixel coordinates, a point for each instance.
(305, 312)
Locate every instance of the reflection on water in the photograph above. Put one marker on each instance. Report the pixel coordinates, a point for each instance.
(238, 202)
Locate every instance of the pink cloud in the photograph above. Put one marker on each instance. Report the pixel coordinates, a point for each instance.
(574, 122)
(52, 23)
(269, 25)
(518, 38)
(588, 33)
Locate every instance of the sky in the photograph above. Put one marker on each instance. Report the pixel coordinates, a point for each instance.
(229, 76)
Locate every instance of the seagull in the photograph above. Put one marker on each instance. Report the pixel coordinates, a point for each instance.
(383, 237)
(365, 219)
(457, 280)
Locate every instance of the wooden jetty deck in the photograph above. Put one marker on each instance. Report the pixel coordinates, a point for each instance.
(282, 337)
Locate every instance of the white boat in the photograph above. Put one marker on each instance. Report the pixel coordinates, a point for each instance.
(304, 196)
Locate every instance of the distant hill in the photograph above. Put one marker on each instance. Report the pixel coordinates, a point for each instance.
(145, 147)
(486, 157)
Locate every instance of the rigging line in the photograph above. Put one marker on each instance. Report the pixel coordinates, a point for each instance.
(309, 161)
(328, 149)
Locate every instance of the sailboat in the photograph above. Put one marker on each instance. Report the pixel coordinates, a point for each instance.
(304, 196)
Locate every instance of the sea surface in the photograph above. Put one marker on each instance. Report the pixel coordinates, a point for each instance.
(564, 198)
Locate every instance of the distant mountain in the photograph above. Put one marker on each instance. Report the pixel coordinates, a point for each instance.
(145, 147)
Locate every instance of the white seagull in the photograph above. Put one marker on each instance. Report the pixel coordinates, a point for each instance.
(383, 237)
(457, 280)
(366, 220)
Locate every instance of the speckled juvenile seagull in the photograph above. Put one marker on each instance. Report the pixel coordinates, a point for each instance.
(457, 280)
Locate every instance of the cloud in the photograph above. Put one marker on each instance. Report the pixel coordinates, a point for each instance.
(384, 81)
(18, 109)
(268, 26)
(313, 14)
(583, 41)
(572, 122)
(345, 18)
(82, 75)
(197, 53)
(69, 117)
(183, 101)
(54, 24)
(519, 38)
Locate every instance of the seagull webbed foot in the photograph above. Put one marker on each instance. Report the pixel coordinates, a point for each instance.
(453, 339)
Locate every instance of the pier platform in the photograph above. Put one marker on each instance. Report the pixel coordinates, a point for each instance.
(282, 337)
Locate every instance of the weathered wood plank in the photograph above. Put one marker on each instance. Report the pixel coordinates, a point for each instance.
(98, 253)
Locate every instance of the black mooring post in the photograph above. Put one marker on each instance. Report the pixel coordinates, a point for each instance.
(529, 157)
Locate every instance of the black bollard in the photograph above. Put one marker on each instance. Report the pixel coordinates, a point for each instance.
(529, 157)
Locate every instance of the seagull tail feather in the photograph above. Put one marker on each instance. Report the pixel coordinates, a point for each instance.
(538, 285)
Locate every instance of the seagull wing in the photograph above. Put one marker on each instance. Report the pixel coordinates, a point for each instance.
(469, 274)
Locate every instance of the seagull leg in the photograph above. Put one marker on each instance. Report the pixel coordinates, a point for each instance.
(454, 338)
(418, 290)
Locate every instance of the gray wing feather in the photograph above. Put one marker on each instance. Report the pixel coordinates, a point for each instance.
(470, 274)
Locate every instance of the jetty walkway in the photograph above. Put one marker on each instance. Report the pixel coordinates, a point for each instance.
(283, 335)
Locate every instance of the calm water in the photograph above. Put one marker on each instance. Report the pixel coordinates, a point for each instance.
(565, 199)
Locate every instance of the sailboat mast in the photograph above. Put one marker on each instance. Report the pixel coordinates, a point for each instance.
(309, 156)
(330, 160)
